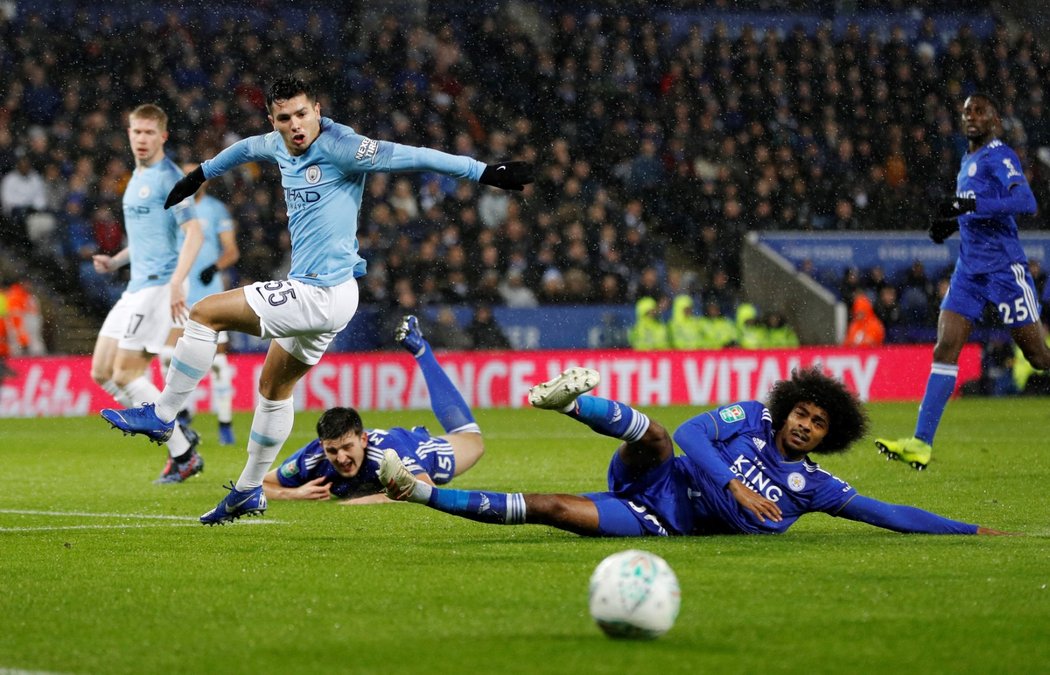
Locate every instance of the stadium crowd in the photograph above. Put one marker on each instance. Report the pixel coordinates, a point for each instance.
(658, 148)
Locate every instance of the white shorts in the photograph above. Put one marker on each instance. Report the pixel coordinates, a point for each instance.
(141, 320)
(304, 319)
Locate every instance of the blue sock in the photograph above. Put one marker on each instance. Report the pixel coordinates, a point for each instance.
(497, 508)
(448, 405)
(611, 418)
(939, 389)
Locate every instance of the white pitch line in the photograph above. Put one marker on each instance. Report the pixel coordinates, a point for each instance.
(181, 521)
(82, 514)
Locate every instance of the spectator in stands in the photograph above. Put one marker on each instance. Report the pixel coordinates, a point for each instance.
(717, 329)
(23, 318)
(484, 332)
(684, 327)
(514, 292)
(22, 191)
(886, 307)
(446, 333)
(865, 329)
(750, 333)
(779, 333)
(649, 330)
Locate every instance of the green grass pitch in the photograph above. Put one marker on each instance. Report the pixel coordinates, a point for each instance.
(103, 572)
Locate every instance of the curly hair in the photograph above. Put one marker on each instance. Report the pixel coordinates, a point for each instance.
(847, 419)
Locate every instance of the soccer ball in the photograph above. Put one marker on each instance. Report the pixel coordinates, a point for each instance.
(634, 595)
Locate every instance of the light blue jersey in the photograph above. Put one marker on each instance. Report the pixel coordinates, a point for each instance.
(989, 242)
(215, 219)
(153, 231)
(323, 189)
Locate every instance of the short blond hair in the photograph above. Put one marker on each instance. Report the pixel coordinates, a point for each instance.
(149, 111)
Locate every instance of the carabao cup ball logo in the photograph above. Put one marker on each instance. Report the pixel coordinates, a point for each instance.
(144, 192)
(313, 174)
(636, 580)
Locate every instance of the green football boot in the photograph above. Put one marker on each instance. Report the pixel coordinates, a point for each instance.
(911, 451)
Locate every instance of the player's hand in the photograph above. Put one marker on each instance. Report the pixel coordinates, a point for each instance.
(942, 228)
(508, 175)
(317, 489)
(754, 502)
(187, 185)
(208, 273)
(953, 207)
(179, 311)
(102, 263)
(996, 533)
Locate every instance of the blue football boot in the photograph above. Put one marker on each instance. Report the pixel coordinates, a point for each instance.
(226, 433)
(409, 336)
(236, 504)
(141, 420)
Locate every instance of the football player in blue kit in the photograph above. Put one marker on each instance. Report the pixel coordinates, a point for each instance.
(746, 469)
(323, 169)
(344, 460)
(162, 246)
(992, 269)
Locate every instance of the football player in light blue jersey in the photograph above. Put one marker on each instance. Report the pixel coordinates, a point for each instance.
(323, 169)
(218, 252)
(343, 461)
(746, 469)
(992, 269)
(137, 327)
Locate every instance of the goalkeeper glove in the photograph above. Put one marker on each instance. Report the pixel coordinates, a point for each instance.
(507, 175)
(942, 228)
(187, 185)
(208, 273)
(952, 207)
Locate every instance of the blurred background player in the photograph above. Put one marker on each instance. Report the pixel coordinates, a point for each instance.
(746, 469)
(344, 459)
(137, 327)
(992, 269)
(218, 252)
(323, 170)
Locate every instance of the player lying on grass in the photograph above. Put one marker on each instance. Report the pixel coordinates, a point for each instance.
(344, 460)
(746, 469)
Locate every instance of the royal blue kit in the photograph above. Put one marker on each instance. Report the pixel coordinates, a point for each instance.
(420, 452)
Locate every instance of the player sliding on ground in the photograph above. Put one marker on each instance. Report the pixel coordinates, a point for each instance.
(746, 469)
(343, 461)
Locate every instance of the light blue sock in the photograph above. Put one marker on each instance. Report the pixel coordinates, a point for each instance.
(498, 508)
(939, 389)
(610, 418)
(449, 407)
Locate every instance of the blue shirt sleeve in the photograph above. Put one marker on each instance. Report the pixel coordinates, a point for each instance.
(695, 437)
(252, 149)
(899, 518)
(293, 470)
(354, 153)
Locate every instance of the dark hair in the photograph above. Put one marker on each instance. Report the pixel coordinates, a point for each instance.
(284, 88)
(847, 419)
(338, 422)
(987, 99)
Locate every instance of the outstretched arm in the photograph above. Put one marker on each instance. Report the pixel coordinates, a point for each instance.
(907, 519)
(314, 489)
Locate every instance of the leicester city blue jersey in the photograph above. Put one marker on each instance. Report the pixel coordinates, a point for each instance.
(214, 219)
(747, 446)
(989, 242)
(323, 189)
(419, 452)
(152, 230)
